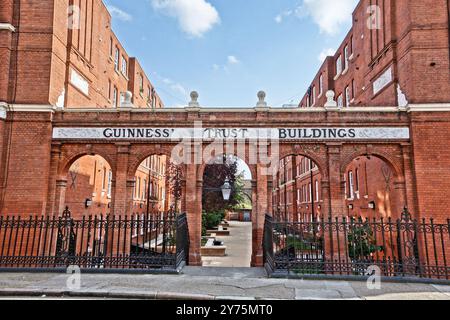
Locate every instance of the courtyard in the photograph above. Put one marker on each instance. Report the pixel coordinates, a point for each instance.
(239, 247)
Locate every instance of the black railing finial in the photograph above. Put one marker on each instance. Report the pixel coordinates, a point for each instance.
(406, 215)
(66, 213)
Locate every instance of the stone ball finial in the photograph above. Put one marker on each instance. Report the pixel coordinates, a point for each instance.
(194, 96)
(127, 96)
(330, 94)
(331, 102)
(194, 100)
(261, 100)
(261, 96)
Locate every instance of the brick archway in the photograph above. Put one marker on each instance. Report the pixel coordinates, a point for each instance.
(70, 135)
(139, 152)
(390, 156)
(257, 216)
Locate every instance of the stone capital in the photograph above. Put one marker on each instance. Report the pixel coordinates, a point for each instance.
(123, 148)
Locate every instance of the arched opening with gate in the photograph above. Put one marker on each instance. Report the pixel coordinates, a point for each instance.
(373, 188)
(227, 212)
(297, 194)
(85, 186)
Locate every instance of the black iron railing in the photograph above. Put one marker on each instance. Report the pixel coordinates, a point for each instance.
(102, 243)
(358, 247)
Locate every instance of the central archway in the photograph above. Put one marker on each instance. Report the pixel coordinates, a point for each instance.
(227, 204)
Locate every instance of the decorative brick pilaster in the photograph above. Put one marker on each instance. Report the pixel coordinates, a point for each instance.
(194, 215)
(59, 198)
(120, 190)
(54, 196)
(335, 193)
(259, 219)
(409, 188)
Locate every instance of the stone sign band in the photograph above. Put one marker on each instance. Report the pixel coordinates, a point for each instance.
(177, 134)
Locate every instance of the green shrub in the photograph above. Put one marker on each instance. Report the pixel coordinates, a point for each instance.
(362, 242)
(211, 220)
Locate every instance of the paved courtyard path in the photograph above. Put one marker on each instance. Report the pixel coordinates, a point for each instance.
(239, 247)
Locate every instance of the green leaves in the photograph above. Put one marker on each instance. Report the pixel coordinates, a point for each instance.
(362, 242)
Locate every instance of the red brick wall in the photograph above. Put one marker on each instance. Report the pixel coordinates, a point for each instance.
(48, 52)
(147, 98)
(413, 39)
(28, 170)
(432, 164)
(33, 64)
(376, 181)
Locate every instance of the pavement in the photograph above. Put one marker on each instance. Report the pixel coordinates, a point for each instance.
(239, 247)
(197, 283)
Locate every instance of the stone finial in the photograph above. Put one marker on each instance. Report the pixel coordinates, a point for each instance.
(402, 100)
(128, 95)
(261, 100)
(194, 100)
(3, 109)
(126, 104)
(331, 103)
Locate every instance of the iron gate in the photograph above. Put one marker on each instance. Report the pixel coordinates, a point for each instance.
(346, 247)
(156, 242)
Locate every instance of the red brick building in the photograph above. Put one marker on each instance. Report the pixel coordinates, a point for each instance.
(53, 79)
(297, 195)
(77, 63)
(388, 57)
(395, 54)
(45, 61)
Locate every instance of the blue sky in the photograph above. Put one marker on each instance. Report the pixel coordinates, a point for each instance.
(228, 50)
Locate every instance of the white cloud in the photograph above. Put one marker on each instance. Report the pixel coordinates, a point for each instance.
(233, 60)
(195, 17)
(119, 14)
(279, 18)
(329, 15)
(177, 89)
(325, 53)
(174, 86)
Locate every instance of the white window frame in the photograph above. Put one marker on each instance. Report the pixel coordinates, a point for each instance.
(321, 84)
(109, 183)
(314, 95)
(124, 66)
(116, 59)
(340, 101)
(115, 96)
(347, 96)
(317, 190)
(346, 57)
(351, 185)
(310, 193)
(339, 65)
